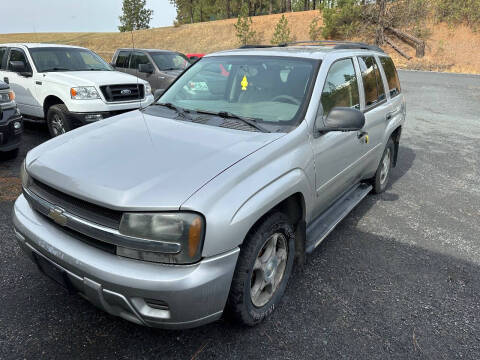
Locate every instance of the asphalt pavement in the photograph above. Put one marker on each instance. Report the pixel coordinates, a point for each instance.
(397, 279)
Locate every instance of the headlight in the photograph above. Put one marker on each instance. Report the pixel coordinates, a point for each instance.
(181, 230)
(148, 90)
(26, 179)
(6, 97)
(84, 93)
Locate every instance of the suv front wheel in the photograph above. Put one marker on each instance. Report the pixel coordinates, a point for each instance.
(57, 120)
(264, 266)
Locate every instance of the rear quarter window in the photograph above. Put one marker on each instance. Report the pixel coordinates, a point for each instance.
(392, 76)
(372, 81)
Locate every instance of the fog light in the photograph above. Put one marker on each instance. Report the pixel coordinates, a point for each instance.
(93, 117)
(17, 125)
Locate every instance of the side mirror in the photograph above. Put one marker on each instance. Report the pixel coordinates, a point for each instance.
(343, 119)
(145, 68)
(157, 94)
(20, 67)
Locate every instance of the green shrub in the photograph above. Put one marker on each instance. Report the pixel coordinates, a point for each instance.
(458, 11)
(243, 28)
(282, 31)
(342, 21)
(315, 30)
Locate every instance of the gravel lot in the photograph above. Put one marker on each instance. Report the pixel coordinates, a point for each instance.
(398, 278)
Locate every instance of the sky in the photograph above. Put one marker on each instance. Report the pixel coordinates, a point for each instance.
(18, 16)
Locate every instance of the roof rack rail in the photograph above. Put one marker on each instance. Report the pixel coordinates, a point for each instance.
(261, 46)
(339, 45)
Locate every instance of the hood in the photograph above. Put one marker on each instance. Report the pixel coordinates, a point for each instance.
(91, 78)
(137, 161)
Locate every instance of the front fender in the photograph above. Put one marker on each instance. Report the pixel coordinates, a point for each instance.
(236, 199)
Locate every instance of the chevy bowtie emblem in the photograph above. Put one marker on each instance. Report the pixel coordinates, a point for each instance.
(56, 214)
(126, 92)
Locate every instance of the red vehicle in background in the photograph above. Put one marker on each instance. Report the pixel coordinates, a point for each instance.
(194, 57)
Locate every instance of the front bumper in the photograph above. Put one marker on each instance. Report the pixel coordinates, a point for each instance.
(189, 296)
(9, 136)
(99, 105)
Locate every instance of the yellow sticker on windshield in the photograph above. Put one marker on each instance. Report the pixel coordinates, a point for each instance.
(244, 83)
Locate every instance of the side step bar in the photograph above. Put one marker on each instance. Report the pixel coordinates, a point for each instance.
(323, 225)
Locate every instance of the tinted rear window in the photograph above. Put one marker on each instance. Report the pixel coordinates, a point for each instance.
(122, 59)
(372, 81)
(392, 75)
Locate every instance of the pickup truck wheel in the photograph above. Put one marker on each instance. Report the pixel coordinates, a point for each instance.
(8, 155)
(382, 176)
(57, 120)
(263, 268)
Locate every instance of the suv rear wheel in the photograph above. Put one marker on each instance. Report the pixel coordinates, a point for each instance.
(57, 120)
(382, 176)
(263, 268)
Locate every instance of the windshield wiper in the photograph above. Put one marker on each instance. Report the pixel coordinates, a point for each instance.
(57, 69)
(228, 115)
(178, 110)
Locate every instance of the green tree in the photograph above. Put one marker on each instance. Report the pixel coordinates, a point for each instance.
(243, 27)
(135, 15)
(281, 35)
(315, 30)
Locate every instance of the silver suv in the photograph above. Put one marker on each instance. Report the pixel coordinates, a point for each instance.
(201, 204)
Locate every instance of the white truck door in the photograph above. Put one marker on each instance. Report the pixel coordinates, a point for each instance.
(21, 77)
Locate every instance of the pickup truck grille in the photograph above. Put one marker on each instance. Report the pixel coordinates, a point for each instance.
(124, 92)
(88, 211)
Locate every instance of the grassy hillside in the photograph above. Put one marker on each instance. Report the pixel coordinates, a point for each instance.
(448, 49)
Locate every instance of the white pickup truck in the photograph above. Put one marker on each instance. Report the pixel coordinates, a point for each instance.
(68, 86)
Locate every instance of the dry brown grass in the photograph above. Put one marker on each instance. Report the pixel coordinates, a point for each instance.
(448, 49)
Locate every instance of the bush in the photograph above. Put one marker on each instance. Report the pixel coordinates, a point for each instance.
(243, 28)
(315, 30)
(281, 34)
(342, 21)
(458, 11)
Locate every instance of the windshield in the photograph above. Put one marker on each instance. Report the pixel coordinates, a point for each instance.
(170, 61)
(67, 59)
(270, 90)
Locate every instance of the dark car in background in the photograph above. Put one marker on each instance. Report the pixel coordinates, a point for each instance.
(159, 67)
(11, 123)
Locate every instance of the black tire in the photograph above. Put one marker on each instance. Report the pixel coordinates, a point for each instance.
(240, 306)
(58, 121)
(380, 180)
(8, 155)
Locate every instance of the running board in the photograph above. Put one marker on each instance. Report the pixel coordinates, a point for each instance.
(323, 225)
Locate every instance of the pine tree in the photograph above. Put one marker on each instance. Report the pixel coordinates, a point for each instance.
(135, 15)
(281, 34)
(243, 27)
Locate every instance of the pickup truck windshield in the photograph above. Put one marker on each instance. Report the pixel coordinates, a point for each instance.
(67, 59)
(170, 61)
(270, 90)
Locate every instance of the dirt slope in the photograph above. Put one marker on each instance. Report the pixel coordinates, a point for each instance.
(448, 49)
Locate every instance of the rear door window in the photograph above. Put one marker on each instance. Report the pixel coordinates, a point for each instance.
(392, 76)
(137, 59)
(341, 87)
(3, 53)
(372, 81)
(122, 59)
